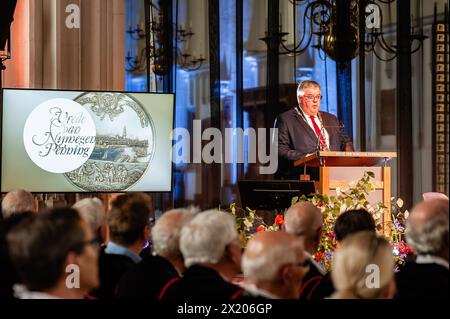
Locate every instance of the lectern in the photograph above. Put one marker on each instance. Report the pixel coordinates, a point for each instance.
(338, 169)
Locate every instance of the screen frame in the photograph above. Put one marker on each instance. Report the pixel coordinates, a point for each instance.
(172, 166)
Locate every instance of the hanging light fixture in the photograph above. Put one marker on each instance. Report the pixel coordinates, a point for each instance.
(334, 26)
(156, 51)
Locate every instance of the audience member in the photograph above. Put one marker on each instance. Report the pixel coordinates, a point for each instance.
(55, 254)
(304, 220)
(210, 247)
(427, 232)
(8, 274)
(18, 201)
(129, 226)
(93, 212)
(274, 264)
(349, 222)
(150, 278)
(363, 268)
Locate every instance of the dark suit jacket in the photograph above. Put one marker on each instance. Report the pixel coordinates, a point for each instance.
(310, 281)
(422, 281)
(297, 139)
(111, 269)
(147, 279)
(200, 284)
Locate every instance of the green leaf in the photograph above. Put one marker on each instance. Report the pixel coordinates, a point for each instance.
(294, 200)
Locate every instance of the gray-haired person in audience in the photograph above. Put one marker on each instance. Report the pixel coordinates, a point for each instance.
(153, 276)
(18, 201)
(427, 231)
(363, 268)
(304, 220)
(93, 212)
(212, 255)
(274, 265)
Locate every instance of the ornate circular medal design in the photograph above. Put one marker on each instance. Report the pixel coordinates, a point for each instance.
(124, 145)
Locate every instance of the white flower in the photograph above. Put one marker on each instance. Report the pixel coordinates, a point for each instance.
(400, 202)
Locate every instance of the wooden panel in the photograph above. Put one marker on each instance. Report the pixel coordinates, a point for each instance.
(343, 184)
(346, 159)
(324, 187)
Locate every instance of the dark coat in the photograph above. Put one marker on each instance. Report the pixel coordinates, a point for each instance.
(422, 281)
(201, 283)
(111, 269)
(147, 279)
(310, 281)
(297, 139)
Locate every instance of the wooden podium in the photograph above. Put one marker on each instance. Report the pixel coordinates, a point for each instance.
(338, 169)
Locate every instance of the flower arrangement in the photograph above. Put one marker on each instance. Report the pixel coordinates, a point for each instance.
(353, 197)
(248, 223)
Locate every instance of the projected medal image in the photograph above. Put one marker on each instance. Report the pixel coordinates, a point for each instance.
(124, 145)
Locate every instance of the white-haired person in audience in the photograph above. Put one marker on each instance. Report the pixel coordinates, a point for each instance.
(274, 265)
(153, 276)
(304, 220)
(210, 247)
(18, 201)
(427, 232)
(363, 268)
(92, 211)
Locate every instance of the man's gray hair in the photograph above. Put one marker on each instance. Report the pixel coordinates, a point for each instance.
(205, 238)
(266, 267)
(167, 230)
(306, 84)
(18, 201)
(431, 236)
(91, 211)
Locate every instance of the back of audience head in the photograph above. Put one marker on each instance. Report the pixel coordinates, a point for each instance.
(363, 267)
(41, 248)
(304, 220)
(129, 219)
(275, 262)
(166, 235)
(92, 211)
(427, 228)
(210, 239)
(18, 201)
(353, 221)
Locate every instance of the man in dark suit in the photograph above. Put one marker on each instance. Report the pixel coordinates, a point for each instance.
(304, 129)
(304, 220)
(427, 231)
(211, 251)
(129, 224)
(151, 277)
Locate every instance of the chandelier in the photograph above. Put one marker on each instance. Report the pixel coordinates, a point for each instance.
(333, 28)
(155, 50)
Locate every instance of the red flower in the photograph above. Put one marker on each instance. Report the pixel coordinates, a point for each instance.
(403, 248)
(279, 220)
(260, 228)
(318, 256)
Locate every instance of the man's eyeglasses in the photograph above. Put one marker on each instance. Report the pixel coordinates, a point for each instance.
(313, 97)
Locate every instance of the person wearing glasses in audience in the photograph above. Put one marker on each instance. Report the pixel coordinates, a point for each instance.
(305, 129)
(56, 256)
